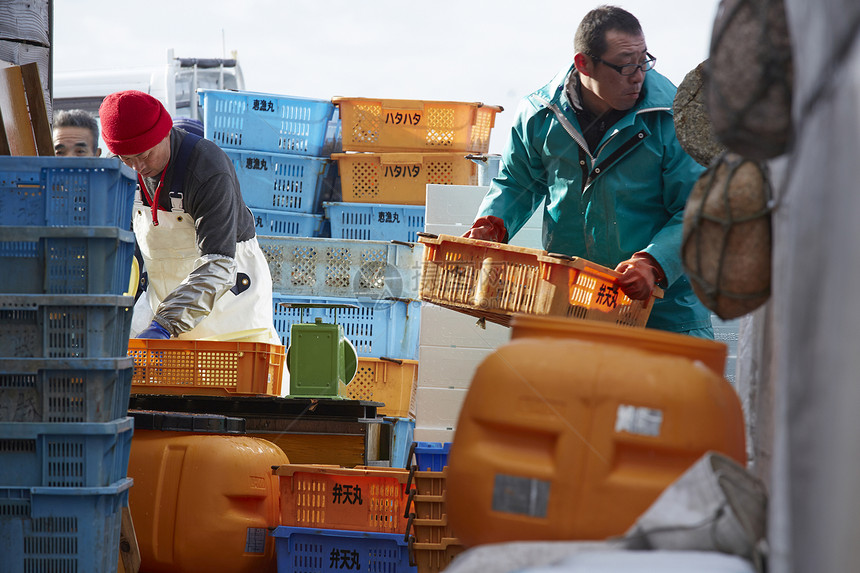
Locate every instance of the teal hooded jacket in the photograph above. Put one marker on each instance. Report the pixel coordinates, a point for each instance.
(627, 197)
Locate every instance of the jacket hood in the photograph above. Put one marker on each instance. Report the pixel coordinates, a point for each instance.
(659, 91)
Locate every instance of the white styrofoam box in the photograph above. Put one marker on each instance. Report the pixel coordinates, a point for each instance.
(433, 435)
(440, 229)
(451, 344)
(451, 329)
(451, 205)
(438, 407)
(449, 367)
(527, 237)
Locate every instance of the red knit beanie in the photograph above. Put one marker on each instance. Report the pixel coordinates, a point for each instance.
(133, 122)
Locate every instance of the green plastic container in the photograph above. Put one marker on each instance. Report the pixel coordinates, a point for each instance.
(320, 359)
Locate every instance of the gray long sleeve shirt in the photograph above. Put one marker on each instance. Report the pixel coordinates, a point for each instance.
(213, 199)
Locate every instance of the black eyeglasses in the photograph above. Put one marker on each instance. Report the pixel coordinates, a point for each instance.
(630, 69)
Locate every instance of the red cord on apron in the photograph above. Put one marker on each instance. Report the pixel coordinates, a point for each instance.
(153, 202)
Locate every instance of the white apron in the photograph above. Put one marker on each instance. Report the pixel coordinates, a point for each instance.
(170, 253)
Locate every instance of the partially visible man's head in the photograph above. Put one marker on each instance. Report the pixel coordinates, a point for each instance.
(136, 128)
(76, 133)
(590, 38)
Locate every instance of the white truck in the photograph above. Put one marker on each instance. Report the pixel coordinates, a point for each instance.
(174, 84)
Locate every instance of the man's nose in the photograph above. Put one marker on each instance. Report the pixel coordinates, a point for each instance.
(134, 162)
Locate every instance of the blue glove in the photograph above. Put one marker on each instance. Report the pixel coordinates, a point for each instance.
(154, 330)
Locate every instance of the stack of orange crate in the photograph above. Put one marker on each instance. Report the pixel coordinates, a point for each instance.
(432, 543)
(392, 149)
(335, 518)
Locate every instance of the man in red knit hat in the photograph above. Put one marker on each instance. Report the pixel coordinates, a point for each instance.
(205, 271)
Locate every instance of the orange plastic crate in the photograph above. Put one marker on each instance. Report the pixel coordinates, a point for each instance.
(430, 507)
(370, 124)
(577, 288)
(495, 281)
(426, 507)
(206, 367)
(429, 530)
(433, 557)
(330, 497)
(391, 381)
(400, 178)
(428, 482)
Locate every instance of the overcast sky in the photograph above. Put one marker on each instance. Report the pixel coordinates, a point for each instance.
(495, 51)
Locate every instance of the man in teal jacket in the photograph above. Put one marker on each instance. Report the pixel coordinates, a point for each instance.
(596, 147)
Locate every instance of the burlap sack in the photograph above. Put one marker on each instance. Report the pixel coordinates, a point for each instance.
(716, 505)
(749, 78)
(692, 122)
(726, 245)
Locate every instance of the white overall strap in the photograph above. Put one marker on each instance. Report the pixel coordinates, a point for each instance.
(169, 250)
(176, 202)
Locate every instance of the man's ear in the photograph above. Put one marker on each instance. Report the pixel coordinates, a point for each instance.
(583, 64)
(98, 152)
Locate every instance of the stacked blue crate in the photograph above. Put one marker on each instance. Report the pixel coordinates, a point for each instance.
(377, 329)
(280, 146)
(375, 221)
(378, 278)
(311, 550)
(65, 376)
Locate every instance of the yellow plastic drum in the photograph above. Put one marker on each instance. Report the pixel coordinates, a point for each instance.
(204, 502)
(572, 437)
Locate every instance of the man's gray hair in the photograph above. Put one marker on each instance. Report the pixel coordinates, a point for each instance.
(78, 118)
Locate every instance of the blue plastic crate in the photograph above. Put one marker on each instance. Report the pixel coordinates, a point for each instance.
(64, 326)
(269, 122)
(64, 389)
(375, 221)
(65, 260)
(70, 454)
(403, 429)
(382, 328)
(431, 456)
(308, 550)
(59, 529)
(74, 191)
(280, 180)
(343, 268)
(269, 222)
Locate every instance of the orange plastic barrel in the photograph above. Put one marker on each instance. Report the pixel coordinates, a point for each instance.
(565, 438)
(203, 502)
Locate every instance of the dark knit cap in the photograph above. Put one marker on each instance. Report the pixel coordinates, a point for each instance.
(133, 122)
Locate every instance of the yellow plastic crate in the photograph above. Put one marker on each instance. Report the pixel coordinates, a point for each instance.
(414, 125)
(400, 178)
(210, 368)
(495, 281)
(390, 381)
